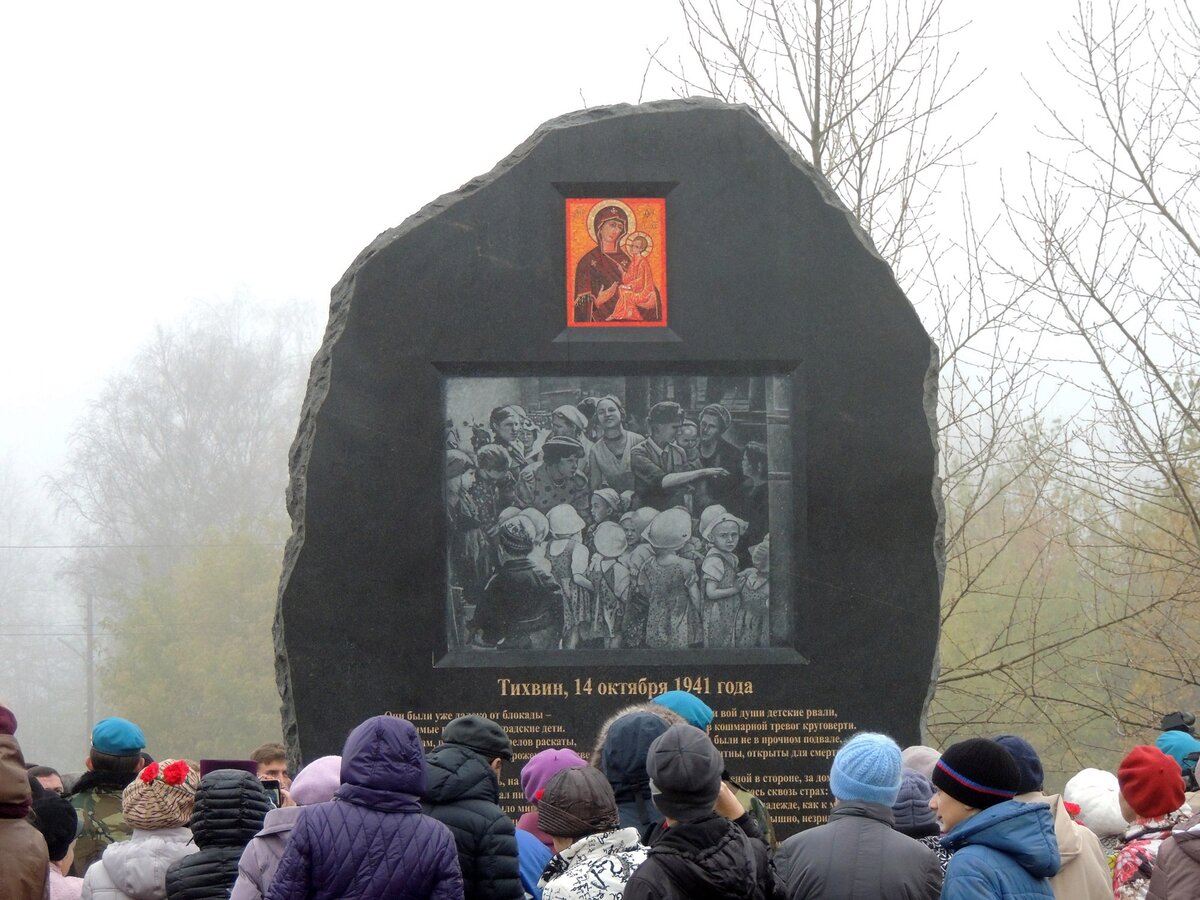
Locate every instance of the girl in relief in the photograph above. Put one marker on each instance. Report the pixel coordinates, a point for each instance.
(568, 559)
(669, 583)
(719, 588)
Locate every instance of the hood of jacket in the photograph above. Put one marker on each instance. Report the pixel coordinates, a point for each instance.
(1187, 838)
(383, 765)
(230, 807)
(1022, 831)
(667, 715)
(1177, 745)
(1066, 832)
(456, 773)
(709, 857)
(280, 821)
(138, 867)
(623, 754)
(14, 783)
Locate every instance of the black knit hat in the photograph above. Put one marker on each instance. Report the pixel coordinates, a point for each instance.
(482, 735)
(576, 802)
(56, 819)
(685, 773)
(977, 772)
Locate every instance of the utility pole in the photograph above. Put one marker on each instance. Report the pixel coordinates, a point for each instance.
(90, 663)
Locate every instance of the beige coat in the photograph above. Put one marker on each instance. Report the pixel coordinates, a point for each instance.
(1084, 874)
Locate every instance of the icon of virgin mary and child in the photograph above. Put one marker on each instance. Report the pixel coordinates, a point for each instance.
(613, 280)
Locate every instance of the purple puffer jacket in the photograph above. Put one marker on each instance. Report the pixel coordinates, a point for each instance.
(371, 840)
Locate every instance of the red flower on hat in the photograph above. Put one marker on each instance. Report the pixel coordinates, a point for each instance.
(538, 793)
(176, 772)
(148, 774)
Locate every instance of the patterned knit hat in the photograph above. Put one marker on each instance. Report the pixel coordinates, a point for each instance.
(866, 768)
(161, 796)
(1151, 782)
(977, 772)
(516, 536)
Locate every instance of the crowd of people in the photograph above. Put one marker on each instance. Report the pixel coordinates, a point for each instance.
(593, 535)
(651, 814)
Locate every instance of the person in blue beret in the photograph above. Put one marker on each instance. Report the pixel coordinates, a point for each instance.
(116, 756)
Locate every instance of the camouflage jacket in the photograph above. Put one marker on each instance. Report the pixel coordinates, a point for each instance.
(758, 812)
(101, 822)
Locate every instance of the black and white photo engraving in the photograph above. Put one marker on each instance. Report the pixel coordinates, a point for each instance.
(612, 512)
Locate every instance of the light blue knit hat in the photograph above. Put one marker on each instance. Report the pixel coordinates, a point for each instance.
(867, 768)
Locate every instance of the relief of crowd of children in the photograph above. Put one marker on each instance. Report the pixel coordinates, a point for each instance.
(592, 535)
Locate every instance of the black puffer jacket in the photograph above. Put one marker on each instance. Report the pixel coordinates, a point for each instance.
(230, 808)
(463, 795)
(709, 858)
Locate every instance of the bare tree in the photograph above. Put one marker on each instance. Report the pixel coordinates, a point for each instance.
(855, 86)
(1070, 546)
(175, 481)
(192, 439)
(1108, 230)
(858, 88)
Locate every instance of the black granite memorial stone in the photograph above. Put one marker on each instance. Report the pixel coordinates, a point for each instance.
(635, 290)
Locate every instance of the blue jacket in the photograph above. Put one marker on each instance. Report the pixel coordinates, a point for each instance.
(532, 855)
(371, 840)
(1007, 851)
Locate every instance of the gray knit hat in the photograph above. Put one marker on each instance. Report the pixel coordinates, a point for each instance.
(911, 809)
(685, 773)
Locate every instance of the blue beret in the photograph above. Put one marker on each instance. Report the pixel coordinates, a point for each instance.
(689, 707)
(117, 737)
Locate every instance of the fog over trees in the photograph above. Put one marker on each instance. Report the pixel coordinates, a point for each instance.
(1069, 371)
(172, 494)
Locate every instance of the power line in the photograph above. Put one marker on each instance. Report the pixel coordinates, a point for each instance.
(136, 546)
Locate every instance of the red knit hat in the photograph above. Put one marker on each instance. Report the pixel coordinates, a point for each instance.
(1151, 782)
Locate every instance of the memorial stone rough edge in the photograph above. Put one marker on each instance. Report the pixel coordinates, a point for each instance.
(340, 307)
